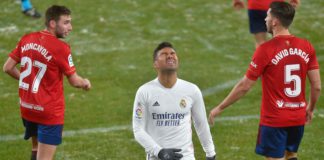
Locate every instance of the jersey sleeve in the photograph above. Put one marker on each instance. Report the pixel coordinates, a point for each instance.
(140, 118)
(64, 61)
(258, 63)
(199, 117)
(313, 63)
(16, 53)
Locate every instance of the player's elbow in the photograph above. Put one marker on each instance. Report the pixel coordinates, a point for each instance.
(137, 134)
(246, 84)
(6, 69)
(317, 88)
(245, 87)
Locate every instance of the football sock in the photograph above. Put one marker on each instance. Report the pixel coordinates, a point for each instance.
(26, 5)
(33, 155)
(295, 158)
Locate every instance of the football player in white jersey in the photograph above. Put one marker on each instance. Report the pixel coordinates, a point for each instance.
(164, 109)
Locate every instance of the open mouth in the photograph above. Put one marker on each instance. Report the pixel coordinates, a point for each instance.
(170, 61)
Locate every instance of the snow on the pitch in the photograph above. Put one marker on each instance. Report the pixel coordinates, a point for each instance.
(9, 29)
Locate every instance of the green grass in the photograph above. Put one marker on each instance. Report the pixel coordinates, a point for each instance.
(112, 43)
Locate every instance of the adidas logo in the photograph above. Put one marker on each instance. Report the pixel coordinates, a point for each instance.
(156, 104)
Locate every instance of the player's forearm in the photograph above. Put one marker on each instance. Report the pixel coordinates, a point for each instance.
(239, 90)
(314, 95)
(10, 68)
(13, 72)
(315, 89)
(204, 135)
(146, 141)
(78, 82)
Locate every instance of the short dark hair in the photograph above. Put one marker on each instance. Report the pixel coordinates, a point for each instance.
(284, 11)
(54, 12)
(161, 46)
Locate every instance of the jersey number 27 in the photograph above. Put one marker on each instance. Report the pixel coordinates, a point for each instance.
(42, 68)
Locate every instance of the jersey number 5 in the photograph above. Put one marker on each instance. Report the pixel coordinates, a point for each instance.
(42, 68)
(289, 77)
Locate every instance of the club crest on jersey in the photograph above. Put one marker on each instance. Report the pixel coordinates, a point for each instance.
(183, 103)
(280, 103)
(70, 61)
(139, 111)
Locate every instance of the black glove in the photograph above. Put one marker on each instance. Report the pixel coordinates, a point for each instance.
(211, 158)
(170, 154)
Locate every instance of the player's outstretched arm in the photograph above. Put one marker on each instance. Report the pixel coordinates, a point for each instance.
(239, 90)
(10, 68)
(315, 90)
(76, 81)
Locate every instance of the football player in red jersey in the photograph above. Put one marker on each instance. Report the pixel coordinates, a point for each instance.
(257, 11)
(283, 62)
(44, 60)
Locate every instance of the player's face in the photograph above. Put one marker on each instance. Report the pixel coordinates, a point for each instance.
(166, 60)
(268, 20)
(63, 26)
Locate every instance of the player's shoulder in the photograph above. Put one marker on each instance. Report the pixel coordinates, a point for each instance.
(187, 84)
(148, 85)
(59, 44)
(304, 41)
(62, 45)
(270, 43)
(28, 35)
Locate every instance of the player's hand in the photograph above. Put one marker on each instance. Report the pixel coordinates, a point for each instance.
(170, 154)
(211, 158)
(294, 3)
(238, 4)
(309, 116)
(87, 84)
(213, 113)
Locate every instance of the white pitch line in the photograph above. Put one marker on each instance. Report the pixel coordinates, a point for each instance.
(205, 42)
(219, 88)
(9, 29)
(236, 118)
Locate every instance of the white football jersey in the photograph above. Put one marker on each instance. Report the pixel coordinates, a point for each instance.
(162, 119)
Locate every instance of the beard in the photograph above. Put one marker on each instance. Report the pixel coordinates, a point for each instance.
(169, 70)
(59, 33)
(269, 27)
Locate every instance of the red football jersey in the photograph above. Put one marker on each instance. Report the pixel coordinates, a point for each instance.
(44, 59)
(260, 4)
(282, 63)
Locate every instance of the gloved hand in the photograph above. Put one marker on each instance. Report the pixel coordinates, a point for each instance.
(211, 158)
(170, 154)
